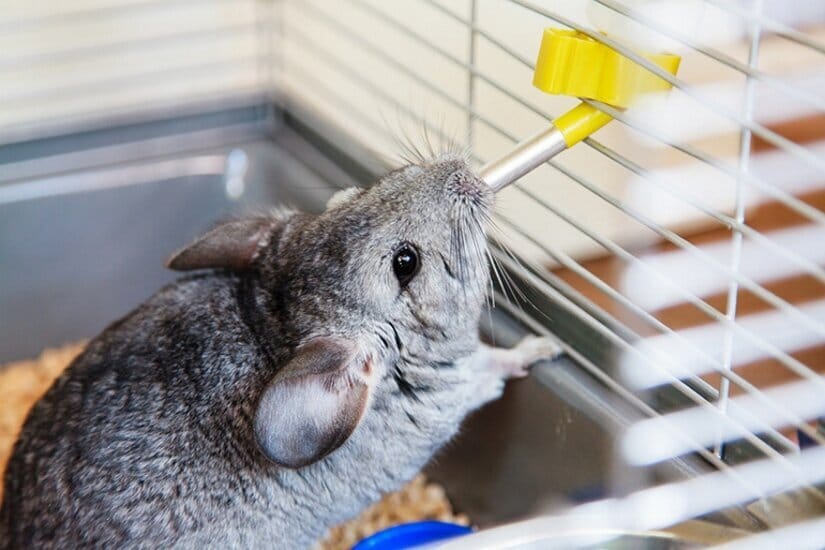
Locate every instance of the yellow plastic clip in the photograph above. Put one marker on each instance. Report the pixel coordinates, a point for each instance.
(571, 63)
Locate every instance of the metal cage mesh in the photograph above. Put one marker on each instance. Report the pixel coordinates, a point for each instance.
(686, 239)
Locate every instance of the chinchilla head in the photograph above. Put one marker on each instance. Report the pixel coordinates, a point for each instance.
(410, 250)
(402, 263)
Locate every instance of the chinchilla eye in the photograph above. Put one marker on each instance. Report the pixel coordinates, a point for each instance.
(405, 263)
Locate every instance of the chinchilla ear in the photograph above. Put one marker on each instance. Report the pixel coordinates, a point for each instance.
(314, 403)
(342, 196)
(231, 245)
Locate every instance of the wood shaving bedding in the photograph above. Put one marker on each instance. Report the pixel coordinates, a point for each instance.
(22, 383)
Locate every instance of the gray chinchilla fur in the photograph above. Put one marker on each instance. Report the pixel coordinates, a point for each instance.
(317, 363)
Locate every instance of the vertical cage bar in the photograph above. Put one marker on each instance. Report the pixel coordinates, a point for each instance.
(739, 215)
(278, 60)
(471, 76)
(265, 36)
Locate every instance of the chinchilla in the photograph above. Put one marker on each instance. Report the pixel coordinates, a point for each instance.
(315, 363)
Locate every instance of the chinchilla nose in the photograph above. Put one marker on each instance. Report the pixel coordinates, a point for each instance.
(462, 181)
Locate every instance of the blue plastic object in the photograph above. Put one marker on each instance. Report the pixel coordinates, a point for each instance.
(410, 535)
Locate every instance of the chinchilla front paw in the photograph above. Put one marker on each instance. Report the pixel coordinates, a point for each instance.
(529, 351)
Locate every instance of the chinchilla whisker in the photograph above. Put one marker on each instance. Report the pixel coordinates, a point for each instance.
(475, 230)
(409, 147)
(480, 245)
(444, 141)
(423, 158)
(494, 268)
(491, 290)
(466, 153)
(457, 244)
(483, 253)
(427, 141)
(459, 148)
(466, 240)
(460, 252)
(488, 256)
(449, 144)
(402, 155)
(410, 153)
(513, 289)
(419, 122)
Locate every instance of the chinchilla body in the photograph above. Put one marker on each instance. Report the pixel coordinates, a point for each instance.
(317, 363)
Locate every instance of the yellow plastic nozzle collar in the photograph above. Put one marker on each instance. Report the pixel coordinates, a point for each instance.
(571, 63)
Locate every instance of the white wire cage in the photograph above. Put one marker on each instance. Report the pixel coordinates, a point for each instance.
(684, 239)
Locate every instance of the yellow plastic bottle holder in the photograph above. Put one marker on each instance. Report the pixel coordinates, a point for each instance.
(573, 64)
